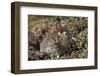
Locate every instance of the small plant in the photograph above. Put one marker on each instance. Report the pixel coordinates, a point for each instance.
(54, 55)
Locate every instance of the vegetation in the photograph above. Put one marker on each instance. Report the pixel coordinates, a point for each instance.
(57, 37)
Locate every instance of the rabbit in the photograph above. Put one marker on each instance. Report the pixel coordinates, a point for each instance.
(49, 42)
